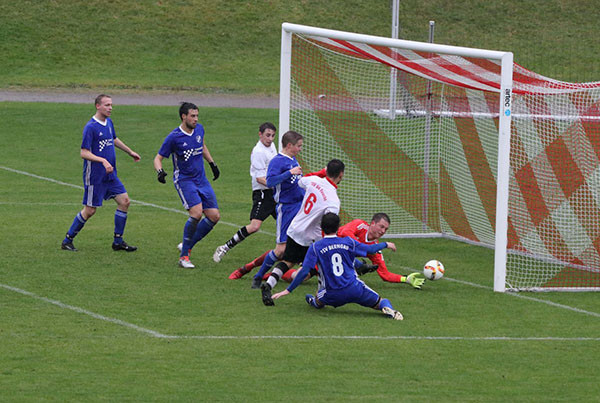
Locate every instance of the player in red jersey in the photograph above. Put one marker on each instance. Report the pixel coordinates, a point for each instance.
(368, 234)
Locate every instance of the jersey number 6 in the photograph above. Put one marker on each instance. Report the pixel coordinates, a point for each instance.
(310, 202)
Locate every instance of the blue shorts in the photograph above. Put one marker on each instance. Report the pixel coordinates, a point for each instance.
(193, 192)
(358, 293)
(94, 194)
(285, 215)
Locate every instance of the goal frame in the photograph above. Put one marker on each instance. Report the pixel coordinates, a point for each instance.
(504, 125)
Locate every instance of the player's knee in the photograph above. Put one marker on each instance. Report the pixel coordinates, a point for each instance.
(124, 203)
(87, 212)
(253, 226)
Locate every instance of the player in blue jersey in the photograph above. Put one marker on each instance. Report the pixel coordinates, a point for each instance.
(186, 146)
(100, 178)
(283, 174)
(338, 281)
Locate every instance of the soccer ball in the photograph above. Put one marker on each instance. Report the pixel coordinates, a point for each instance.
(433, 270)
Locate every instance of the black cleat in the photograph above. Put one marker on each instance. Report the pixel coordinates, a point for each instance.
(68, 246)
(266, 294)
(366, 268)
(123, 246)
(256, 282)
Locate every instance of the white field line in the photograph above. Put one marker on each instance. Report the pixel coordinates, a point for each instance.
(142, 203)
(160, 335)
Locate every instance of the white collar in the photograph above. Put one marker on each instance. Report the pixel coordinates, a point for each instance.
(102, 123)
(184, 132)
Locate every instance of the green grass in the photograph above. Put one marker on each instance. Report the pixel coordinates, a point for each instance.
(225, 344)
(233, 46)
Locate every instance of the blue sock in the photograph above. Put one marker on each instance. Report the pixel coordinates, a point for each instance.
(76, 226)
(357, 264)
(269, 261)
(188, 233)
(385, 303)
(120, 220)
(203, 228)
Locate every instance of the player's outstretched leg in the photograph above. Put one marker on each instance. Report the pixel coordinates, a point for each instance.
(266, 294)
(386, 307)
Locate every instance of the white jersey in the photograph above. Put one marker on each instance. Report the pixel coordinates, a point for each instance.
(259, 161)
(320, 198)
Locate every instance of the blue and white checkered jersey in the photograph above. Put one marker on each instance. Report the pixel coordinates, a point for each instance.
(99, 138)
(284, 184)
(186, 150)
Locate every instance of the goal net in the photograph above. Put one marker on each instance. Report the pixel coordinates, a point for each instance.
(454, 142)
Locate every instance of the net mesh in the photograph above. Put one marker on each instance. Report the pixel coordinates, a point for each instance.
(426, 153)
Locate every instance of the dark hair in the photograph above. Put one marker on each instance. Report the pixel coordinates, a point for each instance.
(267, 125)
(290, 137)
(334, 168)
(185, 108)
(99, 98)
(330, 223)
(381, 216)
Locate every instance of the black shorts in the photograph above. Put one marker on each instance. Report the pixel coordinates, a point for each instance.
(294, 252)
(263, 205)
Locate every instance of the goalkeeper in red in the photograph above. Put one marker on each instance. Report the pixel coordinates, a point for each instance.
(338, 282)
(369, 234)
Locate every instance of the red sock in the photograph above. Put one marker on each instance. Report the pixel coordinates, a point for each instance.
(256, 262)
(287, 276)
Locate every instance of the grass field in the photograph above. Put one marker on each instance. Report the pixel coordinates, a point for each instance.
(233, 46)
(98, 325)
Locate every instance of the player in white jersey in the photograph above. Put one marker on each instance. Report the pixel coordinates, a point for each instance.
(320, 197)
(263, 204)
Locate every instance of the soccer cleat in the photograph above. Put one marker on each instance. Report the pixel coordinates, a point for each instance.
(220, 253)
(393, 314)
(184, 262)
(238, 273)
(266, 294)
(124, 246)
(312, 301)
(416, 280)
(68, 246)
(256, 282)
(366, 268)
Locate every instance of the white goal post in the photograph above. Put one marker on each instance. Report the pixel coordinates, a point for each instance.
(456, 176)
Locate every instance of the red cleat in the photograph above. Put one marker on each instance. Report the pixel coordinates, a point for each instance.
(238, 273)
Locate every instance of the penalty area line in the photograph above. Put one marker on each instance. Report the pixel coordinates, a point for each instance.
(160, 335)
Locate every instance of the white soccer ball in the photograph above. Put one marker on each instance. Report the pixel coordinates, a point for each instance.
(433, 270)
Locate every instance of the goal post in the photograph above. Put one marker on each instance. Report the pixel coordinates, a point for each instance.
(467, 154)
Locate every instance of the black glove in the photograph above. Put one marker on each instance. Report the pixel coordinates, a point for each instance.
(161, 175)
(215, 170)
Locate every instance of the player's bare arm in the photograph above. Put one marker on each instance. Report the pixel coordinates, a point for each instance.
(88, 155)
(391, 245)
(122, 146)
(211, 162)
(262, 180)
(161, 174)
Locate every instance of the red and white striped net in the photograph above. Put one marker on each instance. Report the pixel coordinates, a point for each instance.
(430, 159)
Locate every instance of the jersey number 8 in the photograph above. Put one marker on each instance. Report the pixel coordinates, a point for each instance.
(337, 264)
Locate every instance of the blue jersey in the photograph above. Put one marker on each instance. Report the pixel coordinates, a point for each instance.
(100, 140)
(187, 151)
(284, 184)
(334, 257)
